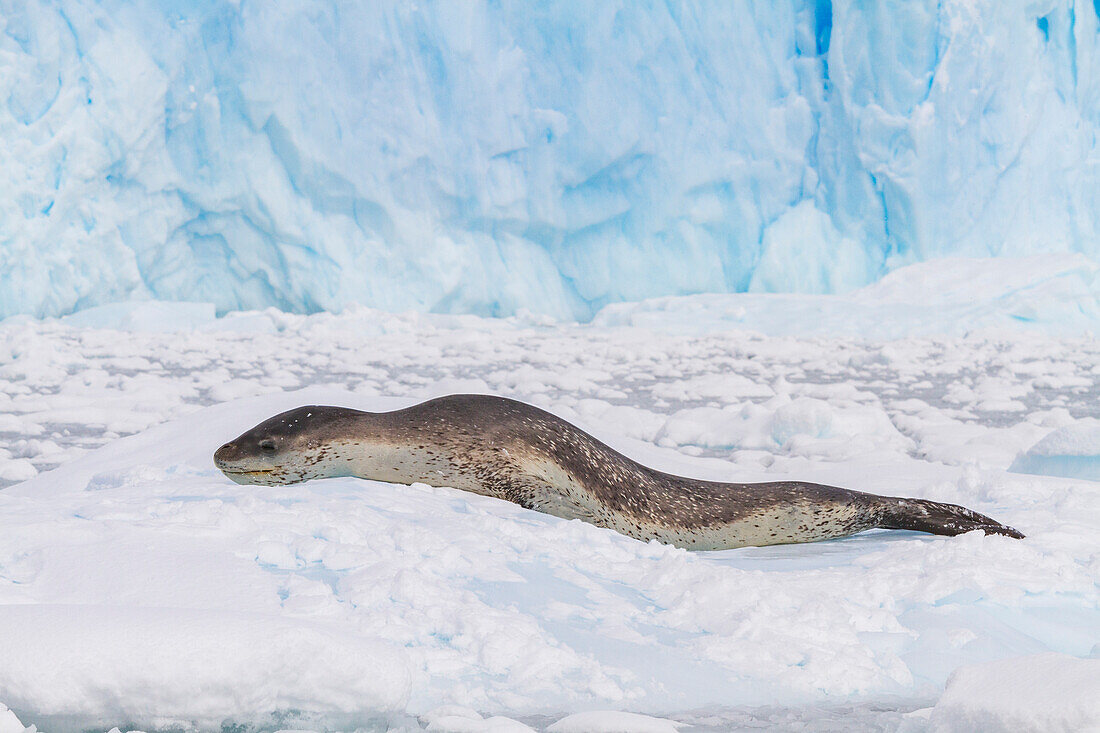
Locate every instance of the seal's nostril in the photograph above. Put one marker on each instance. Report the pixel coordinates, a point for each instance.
(224, 453)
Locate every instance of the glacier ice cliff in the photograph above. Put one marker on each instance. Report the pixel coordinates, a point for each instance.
(489, 157)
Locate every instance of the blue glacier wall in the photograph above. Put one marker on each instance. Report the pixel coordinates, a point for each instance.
(489, 157)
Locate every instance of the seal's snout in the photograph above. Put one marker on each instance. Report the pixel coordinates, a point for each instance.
(226, 453)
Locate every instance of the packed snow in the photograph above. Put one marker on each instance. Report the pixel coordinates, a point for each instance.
(491, 157)
(141, 588)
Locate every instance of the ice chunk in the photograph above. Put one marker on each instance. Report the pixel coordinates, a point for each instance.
(1044, 692)
(458, 719)
(1057, 294)
(1072, 451)
(16, 469)
(143, 316)
(803, 426)
(196, 667)
(609, 721)
(9, 723)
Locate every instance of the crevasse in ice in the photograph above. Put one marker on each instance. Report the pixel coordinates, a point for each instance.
(488, 157)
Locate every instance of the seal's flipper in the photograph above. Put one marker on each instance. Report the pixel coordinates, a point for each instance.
(922, 515)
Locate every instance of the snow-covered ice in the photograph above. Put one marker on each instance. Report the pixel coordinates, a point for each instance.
(138, 586)
(487, 157)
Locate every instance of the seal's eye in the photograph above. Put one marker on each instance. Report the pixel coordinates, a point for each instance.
(267, 445)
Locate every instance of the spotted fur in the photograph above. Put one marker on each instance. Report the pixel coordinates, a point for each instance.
(511, 450)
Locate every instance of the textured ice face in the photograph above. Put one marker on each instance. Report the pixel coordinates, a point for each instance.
(488, 158)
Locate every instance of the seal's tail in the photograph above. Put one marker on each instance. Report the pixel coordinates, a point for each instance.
(922, 515)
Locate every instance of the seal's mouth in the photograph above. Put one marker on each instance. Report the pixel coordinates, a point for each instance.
(260, 476)
(258, 472)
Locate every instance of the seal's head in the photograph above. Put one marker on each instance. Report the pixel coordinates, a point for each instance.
(293, 446)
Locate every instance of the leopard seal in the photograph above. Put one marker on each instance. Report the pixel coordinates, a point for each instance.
(510, 450)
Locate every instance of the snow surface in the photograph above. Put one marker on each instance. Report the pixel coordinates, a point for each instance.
(490, 157)
(140, 587)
